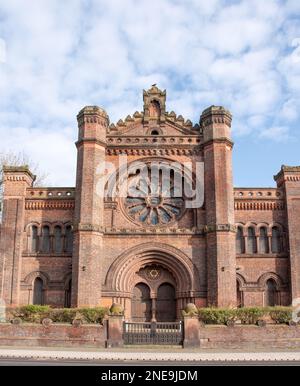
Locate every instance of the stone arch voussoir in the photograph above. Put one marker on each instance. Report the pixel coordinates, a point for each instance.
(131, 261)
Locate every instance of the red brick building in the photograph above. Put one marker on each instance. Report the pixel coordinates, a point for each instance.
(73, 247)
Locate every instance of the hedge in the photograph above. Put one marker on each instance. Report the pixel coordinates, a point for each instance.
(247, 315)
(35, 314)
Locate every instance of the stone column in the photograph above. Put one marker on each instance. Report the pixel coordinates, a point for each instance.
(191, 327)
(115, 331)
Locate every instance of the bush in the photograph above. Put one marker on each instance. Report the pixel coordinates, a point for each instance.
(281, 315)
(32, 313)
(62, 315)
(93, 315)
(35, 314)
(217, 315)
(251, 315)
(247, 315)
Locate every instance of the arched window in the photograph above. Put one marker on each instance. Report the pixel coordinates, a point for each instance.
(57, 239)
(239, 295)
(69, 239)
(45, 239)
(276, 242)
(154, 109)
(270, 293)
(38, 291)
(240, 242)
(263, 240)
(33, 240)
(251, 242)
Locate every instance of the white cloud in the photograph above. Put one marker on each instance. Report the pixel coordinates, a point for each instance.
(278, 134)
(61, 56)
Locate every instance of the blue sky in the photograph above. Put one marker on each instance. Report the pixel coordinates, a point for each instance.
(58, 56)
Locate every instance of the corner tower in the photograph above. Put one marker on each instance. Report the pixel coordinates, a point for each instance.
(289, 179)
(219, 206)
(16, 181)
(88, 221)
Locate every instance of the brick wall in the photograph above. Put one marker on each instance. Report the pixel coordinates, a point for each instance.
(250, 337)
(56, 335)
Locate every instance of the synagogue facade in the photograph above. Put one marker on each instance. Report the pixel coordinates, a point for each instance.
(98, 243)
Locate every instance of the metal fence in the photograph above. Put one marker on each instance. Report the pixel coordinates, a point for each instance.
(152, 333)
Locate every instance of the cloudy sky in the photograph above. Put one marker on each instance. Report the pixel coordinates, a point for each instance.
(57, 56)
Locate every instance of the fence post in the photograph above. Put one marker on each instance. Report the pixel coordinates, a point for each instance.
(115, 331)
(191, 328)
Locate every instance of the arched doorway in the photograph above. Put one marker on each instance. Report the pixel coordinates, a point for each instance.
(166, 303)
(38, 291)
(141, 304)
(239, 295)
(68, 291)
(270, 293)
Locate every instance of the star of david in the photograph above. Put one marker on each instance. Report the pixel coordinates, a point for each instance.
(153, 273)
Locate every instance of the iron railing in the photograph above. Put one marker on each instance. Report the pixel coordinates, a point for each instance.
(160, 333)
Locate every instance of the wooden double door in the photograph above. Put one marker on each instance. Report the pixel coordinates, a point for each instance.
(161, 307)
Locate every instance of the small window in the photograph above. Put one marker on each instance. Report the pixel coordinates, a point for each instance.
(240, 242)
(154, 109)
(276, 240)
(154, 132)
(263, 240)
(46, 239)
(251, 241)
(33, 244)
(69, 239)
(57, 239)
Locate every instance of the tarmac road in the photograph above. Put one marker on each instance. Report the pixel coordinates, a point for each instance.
(69, 362)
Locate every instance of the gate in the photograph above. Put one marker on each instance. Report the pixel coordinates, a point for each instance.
(160, 333)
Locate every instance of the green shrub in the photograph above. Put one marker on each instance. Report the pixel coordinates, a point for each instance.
(32, 313)
(217, 315)
(246, 315)
(251, 315)
(93, 315)
(34, 309)
(62, 315)
(35, 314)
(281, 315)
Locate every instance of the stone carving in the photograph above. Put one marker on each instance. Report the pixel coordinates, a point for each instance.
(116, 309)
(153, 273)
(190, 310)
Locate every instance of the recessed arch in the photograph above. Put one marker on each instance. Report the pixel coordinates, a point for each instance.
(166, 303)
(270, 276)
(29, 279)
(121, 272)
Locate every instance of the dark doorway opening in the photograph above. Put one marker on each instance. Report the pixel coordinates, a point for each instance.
(166, 303)
(141, 303)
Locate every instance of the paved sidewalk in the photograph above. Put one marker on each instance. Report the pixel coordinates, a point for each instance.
(139, 356)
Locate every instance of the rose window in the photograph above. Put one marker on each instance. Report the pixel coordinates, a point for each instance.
(152, 203)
